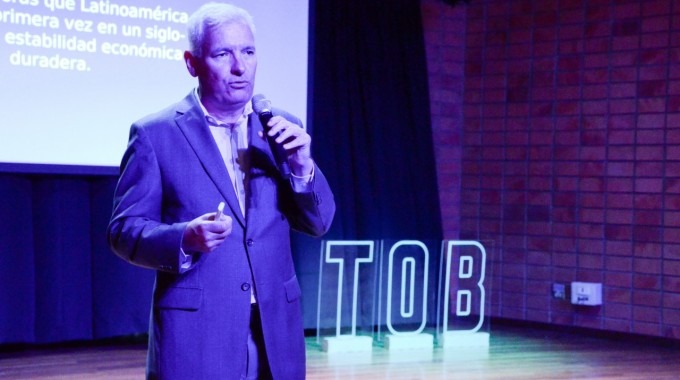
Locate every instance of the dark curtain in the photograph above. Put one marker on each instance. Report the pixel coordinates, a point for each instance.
(371, 130)
(370, 125)
(58, 279)
(371, 118)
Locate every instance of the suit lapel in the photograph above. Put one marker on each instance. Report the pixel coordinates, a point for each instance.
(191, 122)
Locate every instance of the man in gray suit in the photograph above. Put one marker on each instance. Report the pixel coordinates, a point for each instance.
(226, 301)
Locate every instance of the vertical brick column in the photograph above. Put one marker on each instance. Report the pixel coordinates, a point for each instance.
(445, 47)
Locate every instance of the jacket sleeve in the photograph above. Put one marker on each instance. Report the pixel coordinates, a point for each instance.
(313, 210)
(316, 208)
(135, 232)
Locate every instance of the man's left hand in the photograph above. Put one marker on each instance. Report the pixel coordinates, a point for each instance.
(297, 143)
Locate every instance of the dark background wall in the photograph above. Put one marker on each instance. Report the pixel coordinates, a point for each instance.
(557, 133)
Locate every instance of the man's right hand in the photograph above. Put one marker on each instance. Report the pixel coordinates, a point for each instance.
(204, 233)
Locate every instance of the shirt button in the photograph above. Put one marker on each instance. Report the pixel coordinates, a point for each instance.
(250, 242)
(245, 286)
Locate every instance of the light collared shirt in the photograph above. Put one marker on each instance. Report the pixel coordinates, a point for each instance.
(217, 129)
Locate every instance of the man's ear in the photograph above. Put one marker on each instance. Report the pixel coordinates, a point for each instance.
(191, 63)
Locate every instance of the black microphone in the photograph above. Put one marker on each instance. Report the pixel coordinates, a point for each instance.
(263, 109)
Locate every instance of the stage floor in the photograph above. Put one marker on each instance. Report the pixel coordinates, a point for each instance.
(514, 353)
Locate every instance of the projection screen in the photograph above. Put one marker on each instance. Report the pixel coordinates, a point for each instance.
(76, 73)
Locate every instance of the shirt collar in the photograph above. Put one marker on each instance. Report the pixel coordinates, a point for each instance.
(247, 110)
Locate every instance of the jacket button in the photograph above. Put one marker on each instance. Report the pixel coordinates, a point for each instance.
(245, 286)
(250, 242)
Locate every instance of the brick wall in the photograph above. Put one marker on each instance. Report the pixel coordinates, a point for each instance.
(557, 134)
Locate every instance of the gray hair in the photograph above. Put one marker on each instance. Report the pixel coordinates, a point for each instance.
(211, 15)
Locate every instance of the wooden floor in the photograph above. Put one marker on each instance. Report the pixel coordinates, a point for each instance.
(514, 353)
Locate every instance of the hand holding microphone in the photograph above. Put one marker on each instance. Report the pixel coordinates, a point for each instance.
(290, 144)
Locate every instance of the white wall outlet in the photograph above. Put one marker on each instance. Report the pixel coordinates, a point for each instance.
(586, 293)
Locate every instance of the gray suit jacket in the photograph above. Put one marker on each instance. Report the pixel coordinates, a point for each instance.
(171, 173)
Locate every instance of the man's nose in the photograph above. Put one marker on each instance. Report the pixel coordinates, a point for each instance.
(237, 65)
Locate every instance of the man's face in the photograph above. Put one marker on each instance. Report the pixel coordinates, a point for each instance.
(226, 69)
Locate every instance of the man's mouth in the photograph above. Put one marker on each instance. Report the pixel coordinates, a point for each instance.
(239, 84)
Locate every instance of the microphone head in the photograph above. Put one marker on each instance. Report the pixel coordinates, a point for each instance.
(261, 104)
